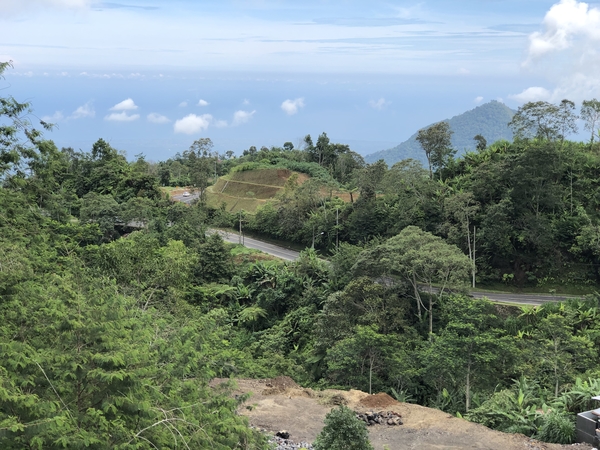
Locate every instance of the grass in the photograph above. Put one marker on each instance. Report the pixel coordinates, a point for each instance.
(244, 255)
(234, 204)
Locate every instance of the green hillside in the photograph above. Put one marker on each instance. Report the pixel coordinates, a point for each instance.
(490, 120)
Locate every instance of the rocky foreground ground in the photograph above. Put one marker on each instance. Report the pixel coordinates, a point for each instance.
(280, 405)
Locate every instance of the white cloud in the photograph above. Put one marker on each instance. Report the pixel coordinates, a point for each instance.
(246, 102)
(183, 104)
(220, 123)
(291, 107)
(84, 111)
(565, 23)
(463, 71)
(379, 104)
(532, 94)
(125, 105)
(192, 123)
(240, 117)
(478, 99)
(56, 117)
(566, 52)
(203, 103)
(122, 117)
(157, 118)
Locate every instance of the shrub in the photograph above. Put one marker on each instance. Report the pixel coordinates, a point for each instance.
(557, 428)
(343, 431)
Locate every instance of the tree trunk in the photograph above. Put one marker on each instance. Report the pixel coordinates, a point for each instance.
(430, 316)
(468, 389)
(417, 296)
(370, 372)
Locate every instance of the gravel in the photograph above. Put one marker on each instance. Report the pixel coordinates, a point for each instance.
(288, 444)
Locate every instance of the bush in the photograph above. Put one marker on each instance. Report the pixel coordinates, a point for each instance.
(343, 431)
(312, 169)
(557, 428)
(250, 166)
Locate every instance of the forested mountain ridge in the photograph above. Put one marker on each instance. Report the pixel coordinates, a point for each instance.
(489, 120)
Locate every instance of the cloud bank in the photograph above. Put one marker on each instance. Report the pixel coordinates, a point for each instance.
(291, 107)
(567, 52)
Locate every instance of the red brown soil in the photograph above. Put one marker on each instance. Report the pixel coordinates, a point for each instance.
(280, 404)
(378, 401)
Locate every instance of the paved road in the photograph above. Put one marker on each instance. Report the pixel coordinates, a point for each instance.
(291, 255)
(525, 299)
(189, 199)
(271, 249)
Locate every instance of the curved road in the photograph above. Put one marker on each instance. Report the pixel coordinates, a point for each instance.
(291, 255)
(271, 249)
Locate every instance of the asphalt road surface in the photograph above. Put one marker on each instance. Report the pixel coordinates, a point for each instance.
(291, 255)
(271, 249)
(525, 299)
(189, 199)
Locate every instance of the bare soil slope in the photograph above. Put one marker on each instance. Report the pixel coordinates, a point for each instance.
(280, 404)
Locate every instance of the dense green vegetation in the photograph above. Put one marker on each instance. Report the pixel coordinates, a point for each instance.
(117, 309)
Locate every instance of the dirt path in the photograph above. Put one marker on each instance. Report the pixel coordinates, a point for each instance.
(280, 404)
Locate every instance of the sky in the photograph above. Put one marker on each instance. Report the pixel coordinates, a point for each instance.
(152, 76)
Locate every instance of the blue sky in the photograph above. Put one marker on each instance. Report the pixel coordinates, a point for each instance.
(152, 76)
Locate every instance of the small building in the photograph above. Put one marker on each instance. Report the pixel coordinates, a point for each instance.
(588, 426)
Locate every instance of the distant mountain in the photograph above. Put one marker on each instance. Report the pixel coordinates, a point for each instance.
(490, 120)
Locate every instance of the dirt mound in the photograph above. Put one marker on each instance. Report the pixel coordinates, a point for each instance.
(381, 400)
(279, 385)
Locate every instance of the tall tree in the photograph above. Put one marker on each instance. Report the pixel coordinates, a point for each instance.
(460, 209)
(200, 162)
(544, 120)
(590, 114)
(422, 260)
(481, 142)
(18, 138)
(436, 144)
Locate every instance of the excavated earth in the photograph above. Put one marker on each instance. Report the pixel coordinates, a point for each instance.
(280, 404)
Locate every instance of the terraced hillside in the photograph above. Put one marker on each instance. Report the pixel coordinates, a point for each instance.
(249, 189)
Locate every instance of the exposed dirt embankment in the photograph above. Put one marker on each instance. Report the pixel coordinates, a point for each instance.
(280, 404)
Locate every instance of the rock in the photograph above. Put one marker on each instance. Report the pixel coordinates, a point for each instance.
(283, 434)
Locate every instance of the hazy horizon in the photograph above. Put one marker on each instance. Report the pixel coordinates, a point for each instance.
(152, 76)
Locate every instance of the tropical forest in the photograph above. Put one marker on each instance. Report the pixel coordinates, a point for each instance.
(121, 298)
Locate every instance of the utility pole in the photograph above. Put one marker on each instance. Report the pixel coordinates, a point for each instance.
(337, 229)
(240, 227)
